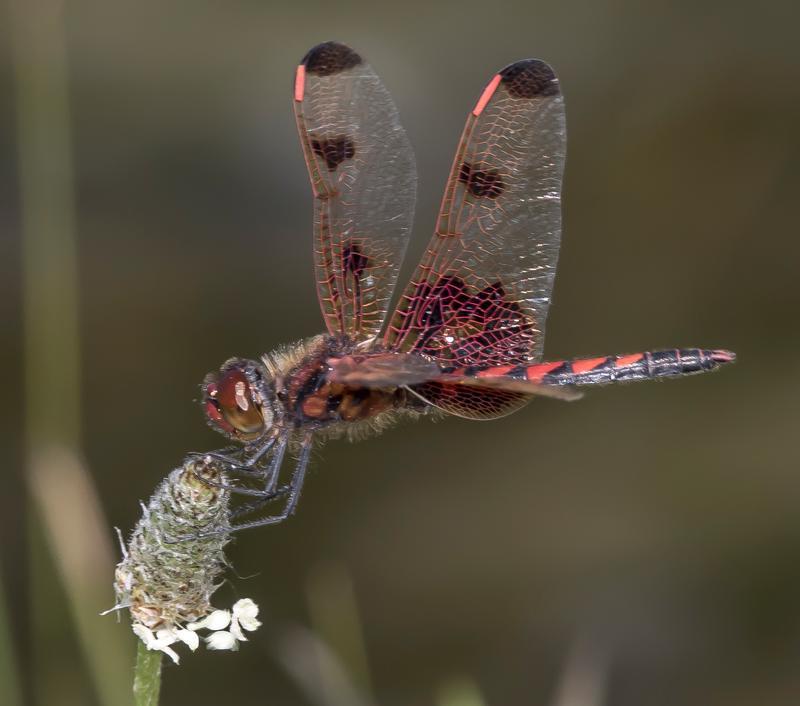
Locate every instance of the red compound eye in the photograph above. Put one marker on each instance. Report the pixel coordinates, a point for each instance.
(230, 406)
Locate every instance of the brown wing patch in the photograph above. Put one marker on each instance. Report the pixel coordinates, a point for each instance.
(355, 260)
(481, 182)
(457, 325)
(334, 150)
(330, 58)
(530, 78)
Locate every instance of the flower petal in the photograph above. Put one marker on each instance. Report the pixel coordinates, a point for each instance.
(172, 654)
(145, 634)
(236, 631)
(221, 640)
(165, 636)
(188, 638)
(216, 620)
(246, 610)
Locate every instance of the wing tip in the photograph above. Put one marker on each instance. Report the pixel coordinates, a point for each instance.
(530, 78)
(329, 58)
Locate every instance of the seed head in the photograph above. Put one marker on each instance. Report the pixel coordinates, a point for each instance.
(165, 583)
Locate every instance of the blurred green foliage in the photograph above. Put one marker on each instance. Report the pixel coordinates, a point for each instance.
(659, 521)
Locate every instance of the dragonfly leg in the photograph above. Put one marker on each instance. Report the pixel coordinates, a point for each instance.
(247, 508)
(269, 474)
(293, 490)
(246, 467)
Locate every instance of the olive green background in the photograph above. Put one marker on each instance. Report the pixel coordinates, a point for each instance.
(646, 538)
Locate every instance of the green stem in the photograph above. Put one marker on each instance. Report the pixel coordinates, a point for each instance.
(147, 676)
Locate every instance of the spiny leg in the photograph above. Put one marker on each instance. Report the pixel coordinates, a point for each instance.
(273, 470)
(247, 508)
(233, 460)
(270, 474)
(295, 487)
(265, 496)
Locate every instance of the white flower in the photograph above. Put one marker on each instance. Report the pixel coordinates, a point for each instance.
(161, 642)
(241, 617)
(216, 620)
(244, 616)
(221, 640)
(187, 637)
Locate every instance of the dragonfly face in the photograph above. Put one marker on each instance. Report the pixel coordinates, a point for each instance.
(467, 332)
(237, 400)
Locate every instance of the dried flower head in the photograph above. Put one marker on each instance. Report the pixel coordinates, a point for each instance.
(167, 584)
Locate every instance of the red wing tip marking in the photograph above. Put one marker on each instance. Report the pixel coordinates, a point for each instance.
(723, 356)
(487, 94)
(300, 83)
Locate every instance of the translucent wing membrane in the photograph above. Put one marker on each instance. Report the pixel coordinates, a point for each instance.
(481, 293)
(382, 370)
(484, 394)
(364, 182)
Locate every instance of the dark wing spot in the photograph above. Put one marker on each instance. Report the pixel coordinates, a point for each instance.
(530, 78)
(354, 260)
(330, 58)
(334, 150)
(481, 182)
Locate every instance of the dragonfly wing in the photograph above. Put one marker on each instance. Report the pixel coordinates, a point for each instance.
(382, 370)
(484, 398)
(363, 178)
(481, 293)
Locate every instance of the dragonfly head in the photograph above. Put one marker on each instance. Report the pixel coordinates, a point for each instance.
(235, 400)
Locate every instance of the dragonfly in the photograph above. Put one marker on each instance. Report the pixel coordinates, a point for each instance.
(466, 335)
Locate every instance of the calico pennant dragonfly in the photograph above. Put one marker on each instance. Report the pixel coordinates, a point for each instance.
(467, 333)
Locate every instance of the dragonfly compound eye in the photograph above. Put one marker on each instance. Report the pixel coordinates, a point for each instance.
(231, 406)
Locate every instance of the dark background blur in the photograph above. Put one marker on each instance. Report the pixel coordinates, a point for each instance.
(638, 547)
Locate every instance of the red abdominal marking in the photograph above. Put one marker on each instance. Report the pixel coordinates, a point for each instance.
(536, 373)
(587, 364)
(604, 370)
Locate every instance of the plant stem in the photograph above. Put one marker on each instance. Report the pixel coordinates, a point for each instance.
(147, 676)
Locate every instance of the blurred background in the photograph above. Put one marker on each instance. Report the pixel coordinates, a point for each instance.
(638, 547)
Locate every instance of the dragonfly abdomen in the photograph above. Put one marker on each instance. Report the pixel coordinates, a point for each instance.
(615, 368)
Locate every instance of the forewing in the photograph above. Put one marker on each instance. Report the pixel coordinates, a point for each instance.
(382, 370)
(482, 290)
(364, 182)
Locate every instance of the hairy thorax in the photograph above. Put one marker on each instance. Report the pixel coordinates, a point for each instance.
(311, 399)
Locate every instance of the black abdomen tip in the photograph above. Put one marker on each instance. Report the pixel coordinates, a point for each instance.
(722, 356)
(330, 58)
(530, 78)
